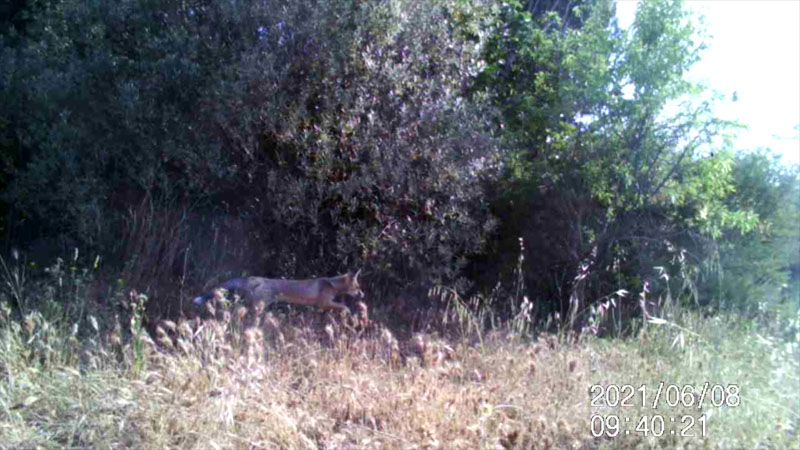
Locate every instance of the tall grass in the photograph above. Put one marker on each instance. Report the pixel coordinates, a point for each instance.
(724, 351)
(15, 278)
(247, 378)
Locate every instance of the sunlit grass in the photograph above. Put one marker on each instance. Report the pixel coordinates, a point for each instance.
(310, 381)
(755, 379)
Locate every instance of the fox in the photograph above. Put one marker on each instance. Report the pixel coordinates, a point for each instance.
(319, 292)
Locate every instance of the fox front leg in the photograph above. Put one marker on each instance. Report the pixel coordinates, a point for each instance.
(328, 302)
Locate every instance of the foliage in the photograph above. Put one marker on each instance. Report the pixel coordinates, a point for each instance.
(723, 352)
(376, 158)
(190, 141)
(756, 266)
(616, 163)
(321, 138)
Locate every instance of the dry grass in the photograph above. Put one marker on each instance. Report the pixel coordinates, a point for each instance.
(358, 394)
(314, 381)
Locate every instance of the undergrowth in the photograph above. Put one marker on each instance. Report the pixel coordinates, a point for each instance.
(243, 377)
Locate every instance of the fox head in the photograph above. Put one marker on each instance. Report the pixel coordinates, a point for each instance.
(353, 288)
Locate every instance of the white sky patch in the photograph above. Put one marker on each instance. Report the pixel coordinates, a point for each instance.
(754, 52)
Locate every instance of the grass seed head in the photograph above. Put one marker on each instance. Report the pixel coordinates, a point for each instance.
(185, 347)
(169, 325)
(166, 342)
(160, 333)
(185, 329)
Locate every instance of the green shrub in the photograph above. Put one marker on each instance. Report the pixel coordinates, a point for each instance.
(203, 137)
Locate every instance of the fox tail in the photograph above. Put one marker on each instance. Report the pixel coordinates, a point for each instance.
(230, 285)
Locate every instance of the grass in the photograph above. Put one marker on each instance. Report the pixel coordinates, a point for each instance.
(306, 380)
(754, 380)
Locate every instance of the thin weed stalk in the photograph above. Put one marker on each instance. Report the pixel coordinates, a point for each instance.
(15, 280)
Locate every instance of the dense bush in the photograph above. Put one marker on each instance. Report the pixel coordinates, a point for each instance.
(312, 138)
(618, 176)
(752, 271)
(191, 141)
(372, 158)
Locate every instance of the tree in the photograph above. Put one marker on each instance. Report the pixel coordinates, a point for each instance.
(608, 171)
(753, 269)
(284, 138)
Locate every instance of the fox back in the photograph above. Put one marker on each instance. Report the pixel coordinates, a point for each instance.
(319, 292)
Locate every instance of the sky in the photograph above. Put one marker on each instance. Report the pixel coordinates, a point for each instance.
(754, 51)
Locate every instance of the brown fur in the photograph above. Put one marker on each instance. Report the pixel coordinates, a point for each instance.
(319, 292)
